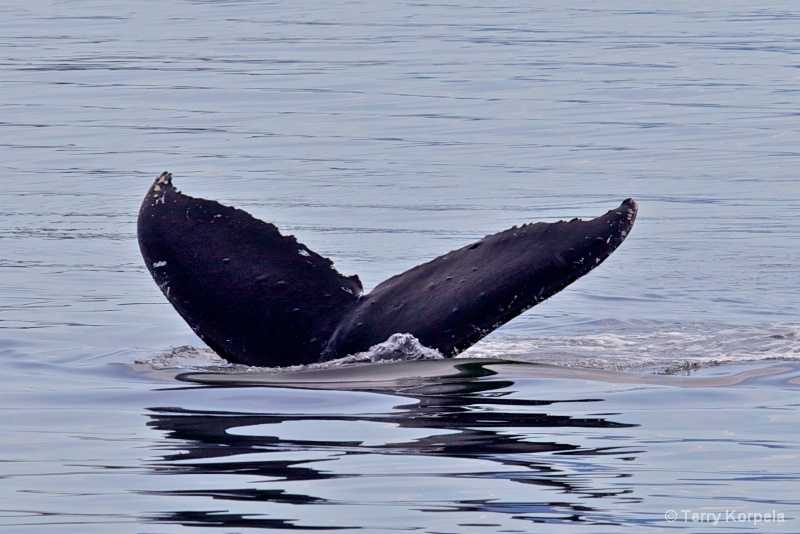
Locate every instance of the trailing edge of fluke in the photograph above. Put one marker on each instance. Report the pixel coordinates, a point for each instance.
(261, 298)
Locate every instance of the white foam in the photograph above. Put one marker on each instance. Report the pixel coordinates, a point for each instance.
(651, 346)
(184, 357)
(643, 346)
(399, 347)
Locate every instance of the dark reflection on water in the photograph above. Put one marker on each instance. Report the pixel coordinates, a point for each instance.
(474, 420)
(216, 519)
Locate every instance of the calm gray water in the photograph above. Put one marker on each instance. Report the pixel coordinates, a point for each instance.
(382, 135)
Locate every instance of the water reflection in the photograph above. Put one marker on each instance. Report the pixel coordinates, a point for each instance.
(487, 441)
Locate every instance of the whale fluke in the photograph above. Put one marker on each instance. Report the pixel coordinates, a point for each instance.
(261, 298)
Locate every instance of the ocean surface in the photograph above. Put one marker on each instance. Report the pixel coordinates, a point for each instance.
(659, 392)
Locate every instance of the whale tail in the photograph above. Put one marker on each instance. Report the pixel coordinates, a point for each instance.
(261, 298)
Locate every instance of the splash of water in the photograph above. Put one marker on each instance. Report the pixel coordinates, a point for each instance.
(399, 347)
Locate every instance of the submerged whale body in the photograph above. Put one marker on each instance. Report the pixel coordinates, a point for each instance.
(261, 298)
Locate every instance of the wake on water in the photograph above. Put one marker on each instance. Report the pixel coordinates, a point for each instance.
(654, 346)
(399, 347)
(648, 347)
